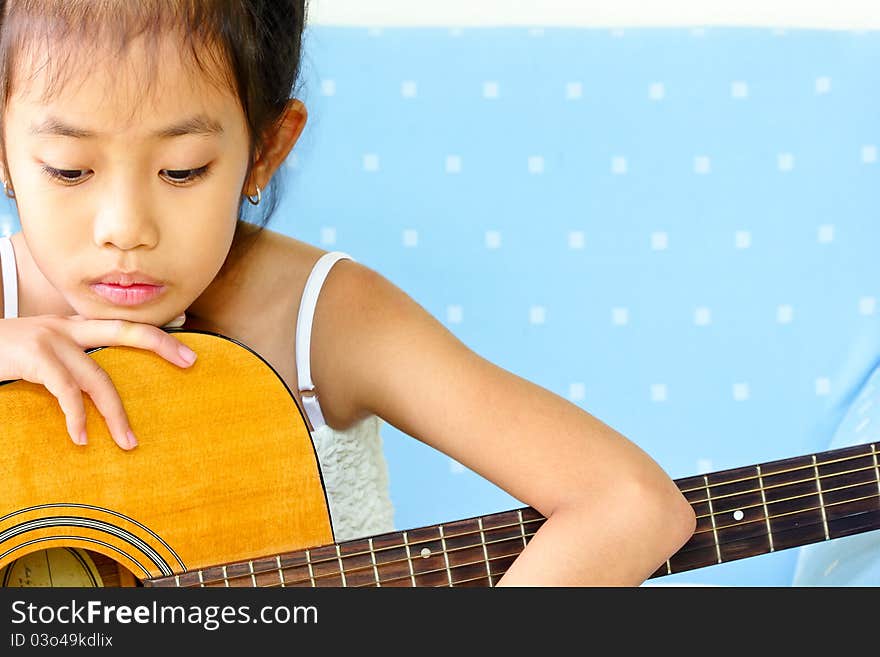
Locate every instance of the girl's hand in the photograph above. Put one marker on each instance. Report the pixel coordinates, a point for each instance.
(49, 350)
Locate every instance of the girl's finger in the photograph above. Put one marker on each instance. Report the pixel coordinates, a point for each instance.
(90, 378)
(110, 332)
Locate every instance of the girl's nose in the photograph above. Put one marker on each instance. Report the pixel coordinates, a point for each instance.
(125, 221)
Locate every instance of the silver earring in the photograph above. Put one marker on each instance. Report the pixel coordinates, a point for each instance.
(259, 197)
(9, 192)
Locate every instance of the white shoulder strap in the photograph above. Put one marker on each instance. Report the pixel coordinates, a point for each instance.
(304, 332)
(10, 279)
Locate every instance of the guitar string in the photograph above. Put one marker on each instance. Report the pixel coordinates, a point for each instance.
(517, 538)
(448, 570)
(766, 475)
(407, 576)
(368, 567)
(872, 482)
(481, 562)
(704, 487)
(415, 544)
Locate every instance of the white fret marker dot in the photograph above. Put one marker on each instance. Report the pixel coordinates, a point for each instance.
(738, 515)
(425, 553)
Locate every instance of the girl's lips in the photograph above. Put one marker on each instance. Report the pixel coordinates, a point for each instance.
(129, 295)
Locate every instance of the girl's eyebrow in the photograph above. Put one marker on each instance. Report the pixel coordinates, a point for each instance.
(199, 124)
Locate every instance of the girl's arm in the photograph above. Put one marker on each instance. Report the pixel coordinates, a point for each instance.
(613, 515)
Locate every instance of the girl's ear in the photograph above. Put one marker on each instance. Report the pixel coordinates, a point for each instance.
(277, 145)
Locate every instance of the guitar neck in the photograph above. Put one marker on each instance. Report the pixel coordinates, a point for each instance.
(741, 512)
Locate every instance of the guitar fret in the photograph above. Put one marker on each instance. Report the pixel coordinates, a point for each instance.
(373, 559)
(412, 575)
(821, 501)
(876, 467)
(341, 567)
(764, 504)
(280, 572)
(311, 570)
(522, 528)
(803, 500)
(485, 553)
(446, 554)
(712, 518)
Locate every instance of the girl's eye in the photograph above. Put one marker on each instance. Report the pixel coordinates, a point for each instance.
(176, 176)
(66, 176)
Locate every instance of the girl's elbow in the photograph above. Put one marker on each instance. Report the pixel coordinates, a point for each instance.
(685, 518)
(666, 517)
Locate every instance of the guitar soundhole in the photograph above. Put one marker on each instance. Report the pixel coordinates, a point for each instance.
(66, 567)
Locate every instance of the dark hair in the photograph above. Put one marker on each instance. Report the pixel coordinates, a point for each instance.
(256, 44)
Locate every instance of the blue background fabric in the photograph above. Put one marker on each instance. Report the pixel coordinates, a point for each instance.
(675, 229)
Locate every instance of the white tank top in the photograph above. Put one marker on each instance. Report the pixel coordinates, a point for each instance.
(352, 462)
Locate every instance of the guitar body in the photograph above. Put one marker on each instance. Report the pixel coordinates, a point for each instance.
(225, 471)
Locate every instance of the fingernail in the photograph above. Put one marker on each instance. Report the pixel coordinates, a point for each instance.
(83, 437)
(187, 354)
(132, 441)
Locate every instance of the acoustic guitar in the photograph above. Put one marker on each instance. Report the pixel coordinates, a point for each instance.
(225, 489)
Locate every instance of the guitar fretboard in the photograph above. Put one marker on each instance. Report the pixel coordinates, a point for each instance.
(741, 512)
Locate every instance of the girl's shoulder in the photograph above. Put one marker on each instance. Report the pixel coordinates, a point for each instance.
(258, 303)
(367, 336)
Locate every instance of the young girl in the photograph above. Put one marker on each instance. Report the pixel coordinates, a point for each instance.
(132, 135)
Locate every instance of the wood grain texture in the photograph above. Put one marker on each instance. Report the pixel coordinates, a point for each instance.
(225, 468)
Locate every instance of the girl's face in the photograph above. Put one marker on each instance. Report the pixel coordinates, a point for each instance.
(143, 181)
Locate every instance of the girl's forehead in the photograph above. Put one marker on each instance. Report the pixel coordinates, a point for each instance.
(146, 76)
